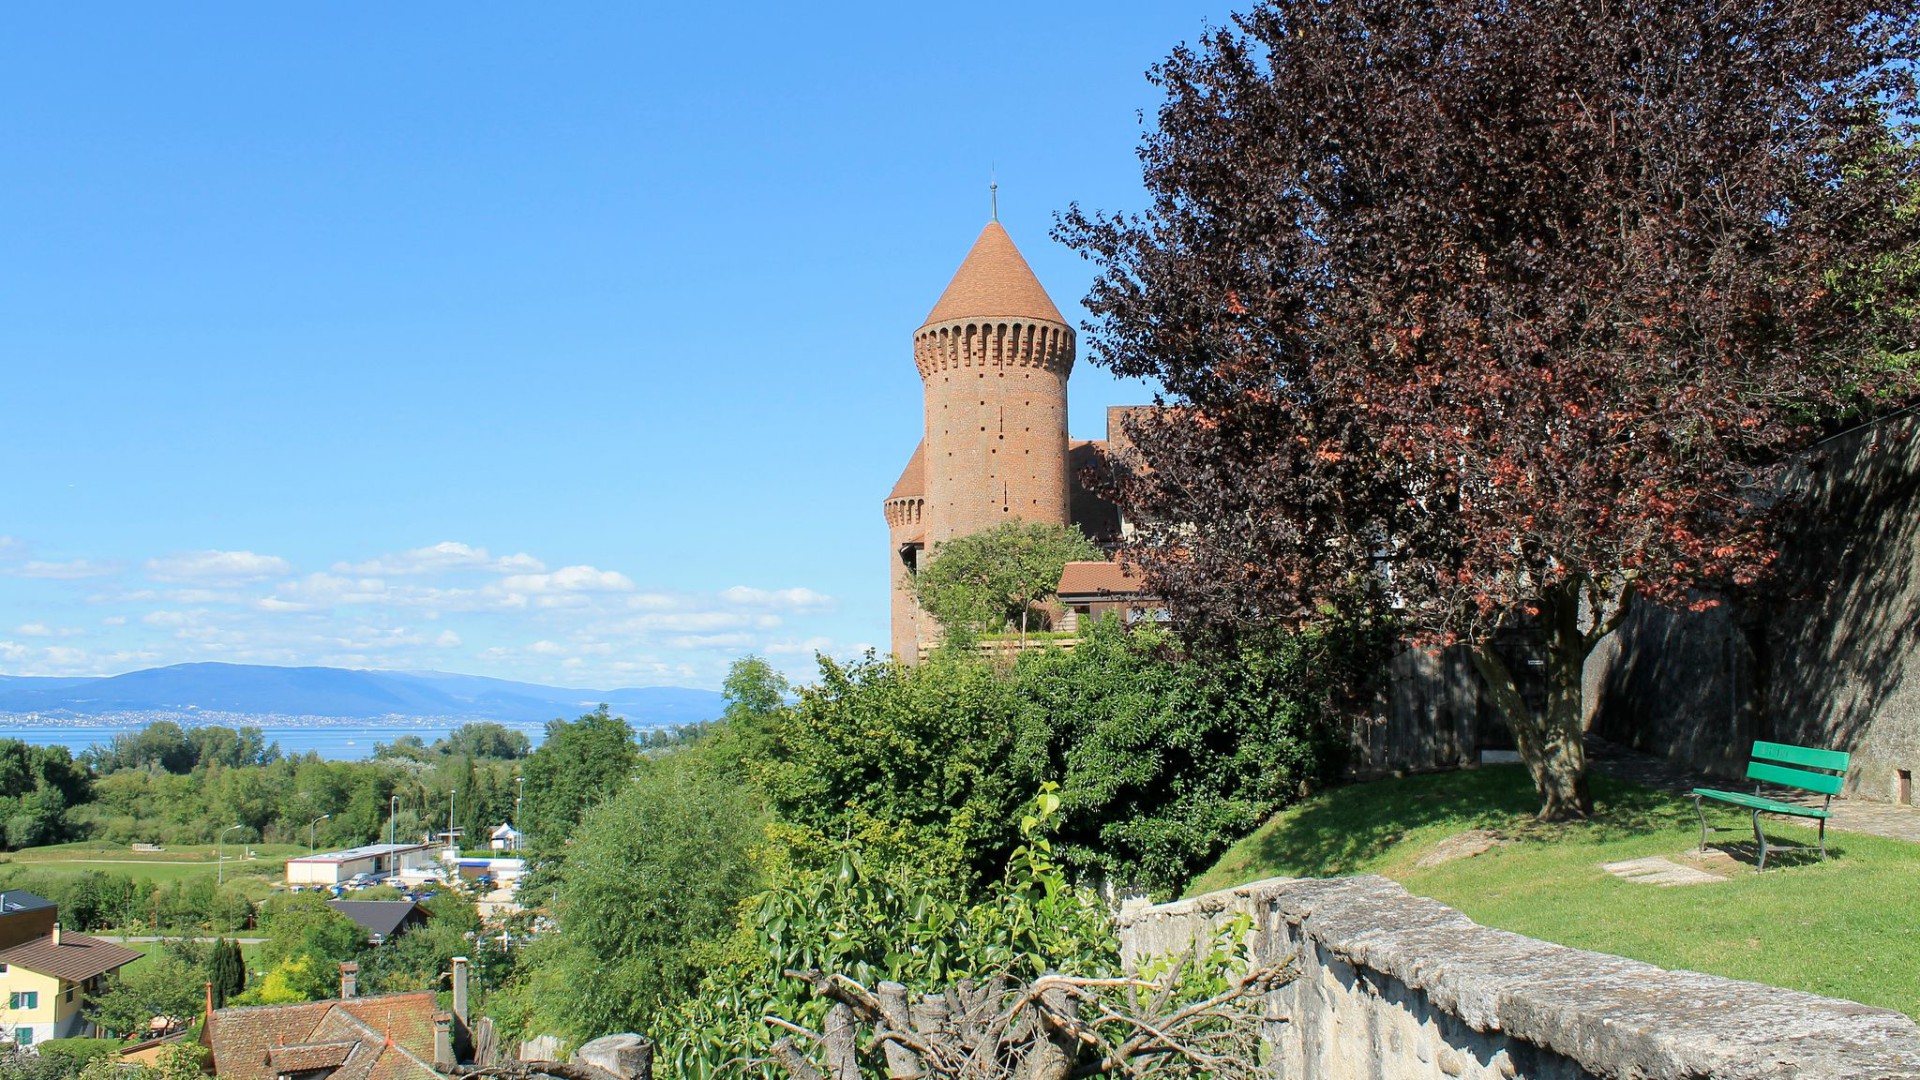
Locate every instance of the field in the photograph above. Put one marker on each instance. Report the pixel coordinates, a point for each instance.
(1848, 926)
(173, 864)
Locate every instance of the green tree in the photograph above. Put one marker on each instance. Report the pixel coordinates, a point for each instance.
(485, 739)
(170, 983)
(989, 581)
(306, 942)
(1492, 317)
(927, 764)
(226, 970)
(580, 764)
(650, 887)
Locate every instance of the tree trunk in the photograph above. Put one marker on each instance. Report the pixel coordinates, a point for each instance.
(1551, 744)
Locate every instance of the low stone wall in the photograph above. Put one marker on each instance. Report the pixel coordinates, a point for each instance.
(1398, 987)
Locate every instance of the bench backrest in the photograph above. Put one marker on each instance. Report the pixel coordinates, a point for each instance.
(1773, 763)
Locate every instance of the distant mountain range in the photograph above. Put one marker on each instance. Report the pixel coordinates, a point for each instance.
(247, 689)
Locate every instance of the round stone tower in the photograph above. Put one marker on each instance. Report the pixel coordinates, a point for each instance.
(994, 356)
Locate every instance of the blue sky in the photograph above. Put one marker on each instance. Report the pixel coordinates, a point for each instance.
(568, 343)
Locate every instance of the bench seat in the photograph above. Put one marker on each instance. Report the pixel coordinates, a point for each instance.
(1760, 802)
(1807, 768)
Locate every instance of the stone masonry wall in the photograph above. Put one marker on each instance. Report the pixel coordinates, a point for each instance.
(1398, 987)
(1830, 657)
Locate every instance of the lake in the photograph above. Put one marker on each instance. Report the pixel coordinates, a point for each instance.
(344, 741)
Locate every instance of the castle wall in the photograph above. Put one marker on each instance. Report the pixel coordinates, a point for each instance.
(1830, 658)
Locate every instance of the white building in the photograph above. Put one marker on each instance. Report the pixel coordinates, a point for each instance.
(380, 860)
(506, 838)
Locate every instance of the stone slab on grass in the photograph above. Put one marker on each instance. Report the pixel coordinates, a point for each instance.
(1655, 870)
(1461, 846)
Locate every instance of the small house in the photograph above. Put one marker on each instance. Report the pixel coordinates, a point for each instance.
(46, 975)
(383, 920)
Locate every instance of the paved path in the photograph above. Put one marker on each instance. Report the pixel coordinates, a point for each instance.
(1849, 815)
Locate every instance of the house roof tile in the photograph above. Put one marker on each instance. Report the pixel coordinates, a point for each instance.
(77, 957)
(1099, 579)
(390, 1037)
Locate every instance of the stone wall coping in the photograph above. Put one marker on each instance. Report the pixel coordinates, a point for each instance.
(1613, 1016)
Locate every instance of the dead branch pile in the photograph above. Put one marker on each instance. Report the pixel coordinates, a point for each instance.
(1055, 1027)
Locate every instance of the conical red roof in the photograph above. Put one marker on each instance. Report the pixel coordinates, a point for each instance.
(994, 282)
(912, 483)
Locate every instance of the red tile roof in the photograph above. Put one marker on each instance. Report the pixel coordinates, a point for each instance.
(912, 480)
(389, 1037)
(1100, 579)
(287, 1059)
(994, 281)
(76, 959)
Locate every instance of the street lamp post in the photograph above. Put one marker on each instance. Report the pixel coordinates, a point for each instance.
(310, 826)
(393, 811)
(453, 838)
(219, 859)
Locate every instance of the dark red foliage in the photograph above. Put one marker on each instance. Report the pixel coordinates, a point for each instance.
(1504, 299)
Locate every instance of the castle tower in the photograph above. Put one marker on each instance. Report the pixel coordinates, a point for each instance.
(994, 356)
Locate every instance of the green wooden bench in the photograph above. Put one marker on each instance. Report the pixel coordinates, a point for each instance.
(1822, 772)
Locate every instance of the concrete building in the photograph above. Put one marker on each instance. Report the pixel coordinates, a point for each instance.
(994, 356)
(381, 860)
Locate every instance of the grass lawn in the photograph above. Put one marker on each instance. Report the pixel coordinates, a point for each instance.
(1847, 927)
(169, 865)
(249, 953)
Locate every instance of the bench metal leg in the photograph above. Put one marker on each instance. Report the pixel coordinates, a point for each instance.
(1823, 838)
(1697, 800)
(1761, 839)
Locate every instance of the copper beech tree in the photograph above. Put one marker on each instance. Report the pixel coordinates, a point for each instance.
(1497, 315)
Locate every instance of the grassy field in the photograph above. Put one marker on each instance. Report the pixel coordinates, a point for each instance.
(1848, 926)
(169, 865)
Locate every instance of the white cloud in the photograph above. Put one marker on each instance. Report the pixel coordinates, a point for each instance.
(43, 630)
(11, 548)
(76, 570)
(447, 640)
(275, 604)
(693, 622)
(217, 566)
(448, 555)
(569, 579)
(794, 599)
(710, 641)
(800, 648)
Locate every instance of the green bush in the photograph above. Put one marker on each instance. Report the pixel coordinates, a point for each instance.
(1163, 756)
(72, 1055)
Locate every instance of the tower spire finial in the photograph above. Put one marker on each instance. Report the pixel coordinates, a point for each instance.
(993, 190)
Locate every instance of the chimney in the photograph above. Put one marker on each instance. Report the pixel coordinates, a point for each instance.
(56, 933)
(349, 978)
(460, 990)
(443, 1040)
(209, 1001)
